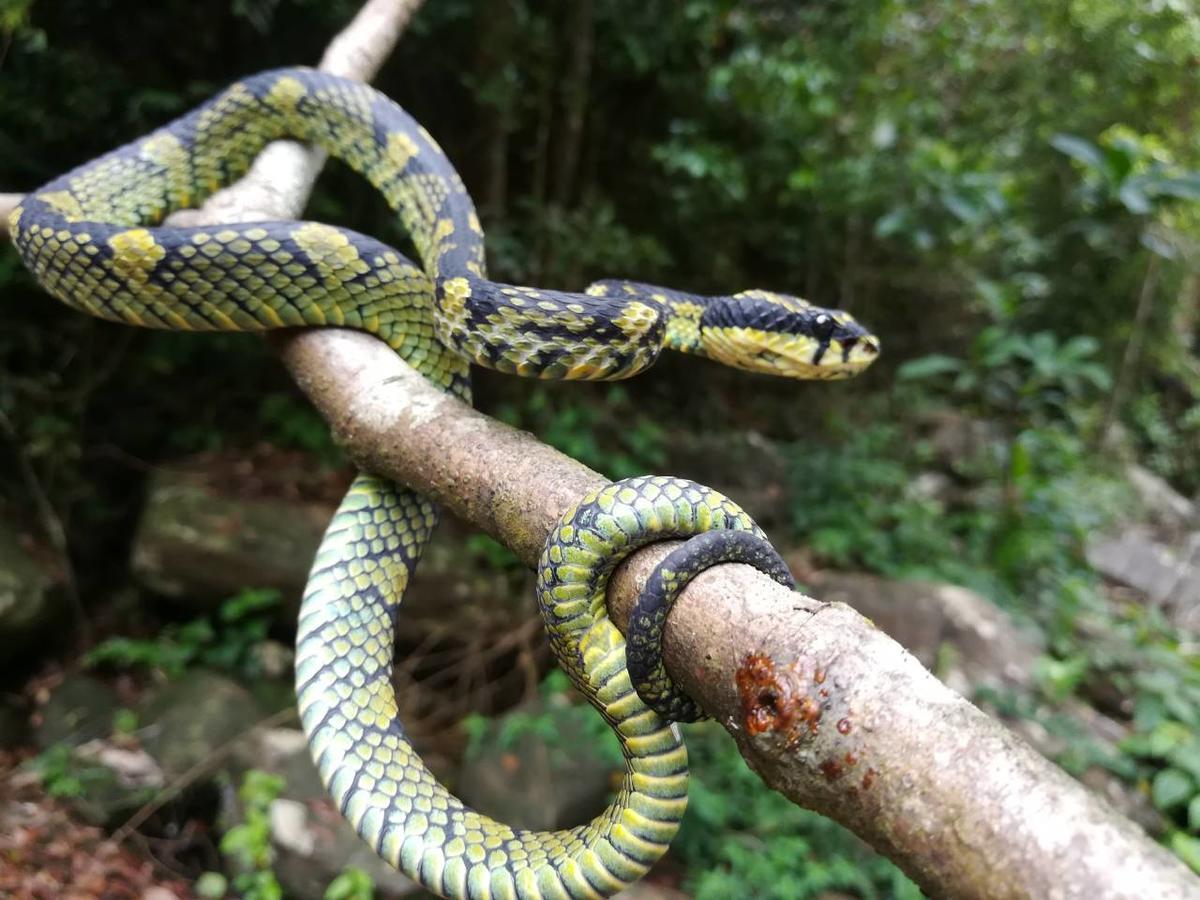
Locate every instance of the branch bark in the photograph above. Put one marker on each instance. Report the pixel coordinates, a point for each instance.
(824, 706)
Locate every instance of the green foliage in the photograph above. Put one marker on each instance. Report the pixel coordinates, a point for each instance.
(248, 844)
(561, 727)
(492, 555)
(226, 642)
(614, 436)
(1033, 378)
(741, 839)
(125, 722)
(910, 161)
(211, 886)
(61, 774)
(1165, 685)
(291, 422)
(351, 884)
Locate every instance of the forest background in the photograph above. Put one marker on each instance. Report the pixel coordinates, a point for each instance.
(1006, 192)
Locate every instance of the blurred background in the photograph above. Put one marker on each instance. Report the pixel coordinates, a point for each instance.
(1006, 192)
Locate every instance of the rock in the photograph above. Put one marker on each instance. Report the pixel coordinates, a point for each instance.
(1168, 575)
(924, 617)
(957, 440)
(134, 768)
(195, 544)
(79, 710)
(1161, 503)
(274, 660)
(116, 781)
(534, 781)
(283, 752)
(31, 598)
(187, 720)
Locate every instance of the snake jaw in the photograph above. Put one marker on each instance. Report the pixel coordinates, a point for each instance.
(776, 334)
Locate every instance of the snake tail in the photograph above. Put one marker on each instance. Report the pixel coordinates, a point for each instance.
(644, 635)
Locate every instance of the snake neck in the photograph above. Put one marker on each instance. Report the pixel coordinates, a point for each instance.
(546, 334)
(681, 311)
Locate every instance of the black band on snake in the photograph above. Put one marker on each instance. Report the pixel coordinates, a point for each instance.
(644, 636)
(93, 238)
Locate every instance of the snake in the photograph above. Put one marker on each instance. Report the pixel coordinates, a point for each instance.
(95, 239)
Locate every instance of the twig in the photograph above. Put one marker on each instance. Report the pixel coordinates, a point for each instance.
(1133, 349)
(194, 773)
(51, 523)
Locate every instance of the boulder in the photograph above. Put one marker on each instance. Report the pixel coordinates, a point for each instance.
(75, 727)
(1167, 574)
(186, 721)
(1161, 504)
(989, 650)
(116, 781)
(31, 599)
(957, 440)
(79, 710)
(199, 545)
(313, 844)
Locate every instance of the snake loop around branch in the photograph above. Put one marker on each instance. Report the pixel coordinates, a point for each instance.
(94, 238)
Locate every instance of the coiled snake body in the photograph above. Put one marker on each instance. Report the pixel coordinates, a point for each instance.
(93, 240)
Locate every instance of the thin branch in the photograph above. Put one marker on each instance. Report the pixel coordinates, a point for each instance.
(1133, 349)
(52, 525)
(203, 767)
(824, 706)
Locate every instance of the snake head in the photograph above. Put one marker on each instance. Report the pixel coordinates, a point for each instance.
(778, 334)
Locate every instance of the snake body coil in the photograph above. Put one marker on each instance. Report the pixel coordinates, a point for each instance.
(93, 239)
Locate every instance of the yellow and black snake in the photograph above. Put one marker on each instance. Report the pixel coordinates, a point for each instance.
(93, 239)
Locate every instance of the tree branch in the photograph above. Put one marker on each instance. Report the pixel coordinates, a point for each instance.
(824, 706)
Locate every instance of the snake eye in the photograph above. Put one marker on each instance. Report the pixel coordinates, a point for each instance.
(823, 326)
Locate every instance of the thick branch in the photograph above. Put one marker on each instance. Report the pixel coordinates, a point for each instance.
(824, 706)
(827, 709)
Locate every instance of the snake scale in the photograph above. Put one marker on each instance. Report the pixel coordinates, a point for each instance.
(93, 238)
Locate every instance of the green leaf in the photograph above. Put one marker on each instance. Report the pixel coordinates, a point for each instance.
(930, 366)
(248, 601)
(1170, 788)
(1134, 197)
(1079, 150)
(1186, 848)
(211, 886)
(1193, 814)
(351, 884)
(893, 223)
(1184, 187)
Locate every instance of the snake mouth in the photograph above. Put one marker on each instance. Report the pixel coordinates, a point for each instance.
(791, 355)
